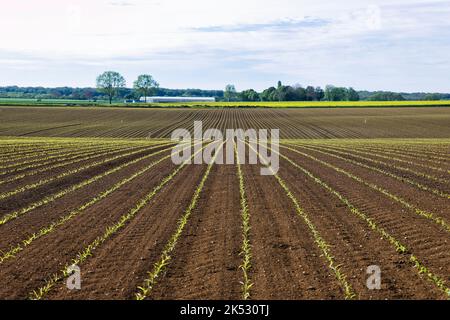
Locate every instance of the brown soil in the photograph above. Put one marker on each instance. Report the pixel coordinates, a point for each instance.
(353, 244)
(427, 122)
(119, 267)
(50, 253)
(286, 261)
(206, 262)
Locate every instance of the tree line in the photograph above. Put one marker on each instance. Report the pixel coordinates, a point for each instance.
(93, 94)
(294, 93)
(110, 83)
(111, 86)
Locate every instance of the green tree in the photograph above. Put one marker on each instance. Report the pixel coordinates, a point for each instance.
(279, 84)
(300, 93)
(386, 96)
(352, 95)
(286, 93)
(145, 85)
(230, 92)
(269, 94)
(319, 93)
(432, 96)
(310, 93)
(329, 95)
(333, 93)
(109, 83)
(249, 95)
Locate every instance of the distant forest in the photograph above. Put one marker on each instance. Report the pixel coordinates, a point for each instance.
(279, 93)
(94, 94)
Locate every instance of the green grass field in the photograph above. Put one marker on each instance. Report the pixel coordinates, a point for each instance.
(260, 104)
(47, 102)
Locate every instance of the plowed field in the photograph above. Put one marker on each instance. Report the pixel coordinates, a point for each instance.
(429, 122)
(140, 227)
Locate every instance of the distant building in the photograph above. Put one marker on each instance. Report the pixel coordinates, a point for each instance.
(177, 99)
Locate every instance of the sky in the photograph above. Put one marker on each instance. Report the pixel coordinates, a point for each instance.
(398, 45)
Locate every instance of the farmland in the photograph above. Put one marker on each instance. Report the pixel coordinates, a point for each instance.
(225, 104)
(329, 123)
(96, 187)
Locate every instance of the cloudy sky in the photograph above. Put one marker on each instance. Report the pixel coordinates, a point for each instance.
(400, 45)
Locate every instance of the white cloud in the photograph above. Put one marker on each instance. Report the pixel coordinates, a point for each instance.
(206, 43)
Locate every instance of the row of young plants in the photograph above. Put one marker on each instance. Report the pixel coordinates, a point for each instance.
(17, 147)
(398, 245)
(370, 151)
(404, 156)
(430, 153)
(94, 145)
(111, 230)
(9, 156)
(396, 146)
(420, 212)
(89, 156)
(378, 162)
(21, 149)
(19, 154)
(322, 245)
(42, 182)
(144, 290)
(50, 198)
(414, 183)
(49, 156)
(15, 249)
(44, 162)
(246, 243)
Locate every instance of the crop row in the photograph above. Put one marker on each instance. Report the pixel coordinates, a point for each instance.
(56, 160)
(323, 246)
(246, 247)
(399, 247)
(85, 253)
(376, 153)
(48, 199)
(397, 144)
(423, 213)
(15, 155)
(144, 290)
(414, 183)
(419, 151)
(18, 150)
(56, 155)
(57, 150)
(64, 219)
(53, 141)
(19, 147)
(71, 172)
(378, 162)
(89, 156)
(416, 156)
